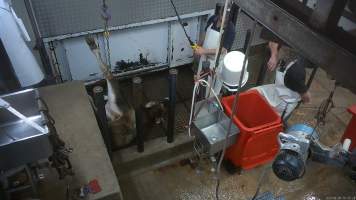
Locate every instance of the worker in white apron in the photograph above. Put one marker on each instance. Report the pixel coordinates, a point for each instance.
(210, 44)
(208, 49)
(289, 87)
(283, 99)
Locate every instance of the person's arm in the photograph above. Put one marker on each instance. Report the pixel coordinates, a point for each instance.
(202, 51)
(273, 60)
(227, 43)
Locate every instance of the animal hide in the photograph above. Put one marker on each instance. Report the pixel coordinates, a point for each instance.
(121, 118)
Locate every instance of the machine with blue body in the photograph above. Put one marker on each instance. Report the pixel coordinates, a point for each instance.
(301, 142)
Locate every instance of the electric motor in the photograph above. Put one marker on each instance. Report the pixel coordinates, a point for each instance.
(290, 163)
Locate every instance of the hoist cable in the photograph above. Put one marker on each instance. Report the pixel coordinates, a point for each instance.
(192, 44)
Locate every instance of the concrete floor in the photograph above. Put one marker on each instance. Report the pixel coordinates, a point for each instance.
(174, 180)
(178, 181)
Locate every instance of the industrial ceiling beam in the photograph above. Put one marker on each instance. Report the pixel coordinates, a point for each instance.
(335, 60)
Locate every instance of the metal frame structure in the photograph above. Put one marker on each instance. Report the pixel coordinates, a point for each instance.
(320, 50)
(162, 64)
(126, 26)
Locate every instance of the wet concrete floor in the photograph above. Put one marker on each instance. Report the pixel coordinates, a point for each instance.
(179, 181)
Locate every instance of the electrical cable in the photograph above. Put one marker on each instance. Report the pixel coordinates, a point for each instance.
(198, 147)
(192, 44)
(204, 83)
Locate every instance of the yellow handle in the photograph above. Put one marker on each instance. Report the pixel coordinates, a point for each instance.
(106, 34)
(195, 46)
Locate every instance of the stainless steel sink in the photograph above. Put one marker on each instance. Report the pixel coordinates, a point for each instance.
(212, 125)
(20, 143)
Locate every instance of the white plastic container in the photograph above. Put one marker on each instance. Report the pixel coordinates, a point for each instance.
(346, 145)
(13, 35)
(231, 70)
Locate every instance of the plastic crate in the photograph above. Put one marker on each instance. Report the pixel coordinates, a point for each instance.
(259, 127)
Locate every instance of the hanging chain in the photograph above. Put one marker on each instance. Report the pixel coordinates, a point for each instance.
(106, 17)
(325, 107)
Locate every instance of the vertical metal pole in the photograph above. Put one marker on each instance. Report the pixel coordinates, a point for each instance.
(222, 35)
(247, 46)
(39, 42)
(172, 104)
(137, 91)
(263, 69)
(56, 68)
(98, 95)
(139, 130)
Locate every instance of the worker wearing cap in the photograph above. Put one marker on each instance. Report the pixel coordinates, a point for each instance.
(289, 87)
(210, 39)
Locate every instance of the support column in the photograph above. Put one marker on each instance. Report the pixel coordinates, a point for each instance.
(172, 104)
(98, 96)
(137, 92)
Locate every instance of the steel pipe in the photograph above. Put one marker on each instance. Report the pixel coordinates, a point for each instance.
(137, 92)
(172, 104)
(98, 96)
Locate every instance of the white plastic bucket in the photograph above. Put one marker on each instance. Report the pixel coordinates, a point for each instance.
(231, 70)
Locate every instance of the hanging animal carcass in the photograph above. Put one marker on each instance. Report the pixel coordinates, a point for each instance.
(120, 114)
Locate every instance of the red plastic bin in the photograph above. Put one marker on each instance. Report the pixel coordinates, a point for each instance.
(350, 132)
(259, 126)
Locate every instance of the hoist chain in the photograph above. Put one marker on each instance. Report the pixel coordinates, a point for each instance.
(106, 17)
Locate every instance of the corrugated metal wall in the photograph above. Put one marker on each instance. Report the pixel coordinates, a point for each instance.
(73, 16)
